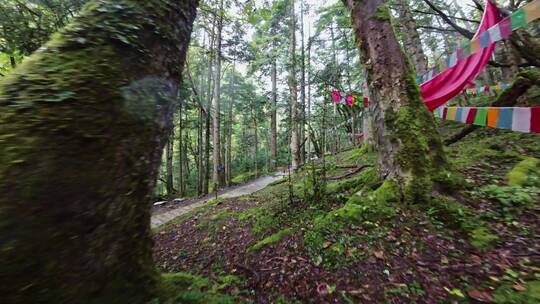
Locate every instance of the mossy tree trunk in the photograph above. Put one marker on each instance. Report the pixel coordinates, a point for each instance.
(404, 132)
(82, 127)
(295, 144)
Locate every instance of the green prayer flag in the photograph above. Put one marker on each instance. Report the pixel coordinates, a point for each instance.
(466, 49)
(518, 19)
(481, 117)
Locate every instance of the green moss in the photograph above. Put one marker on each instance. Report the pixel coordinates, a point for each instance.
(506, 294)
(382, 13)
(481, 237)
(519, 175)
(273, 239)
(184, 287)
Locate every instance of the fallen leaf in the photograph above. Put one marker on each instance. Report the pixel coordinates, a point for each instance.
(326, 244)
(519, 287)
(378, 254)
(480, 295)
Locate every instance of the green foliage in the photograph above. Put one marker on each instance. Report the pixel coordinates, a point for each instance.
(510, 196)
(526, 172)
(274, 238)
(184, 287)
(506, 294)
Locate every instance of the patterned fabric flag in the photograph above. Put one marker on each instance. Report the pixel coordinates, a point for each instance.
(349, 100)
(532, 11)
(506, 27)
(495, 33)
(444, 113)
(485, 40)
(518, 20)
(457, 117)
(475, 45)
(493, 117)
(466, 46)
(336, 96)
(460, 54)
(471, 116)
(453, 59)
(521, 120)
(451, 113)
(481, 115)
(464, 114)
(535, 119)
(505, 118)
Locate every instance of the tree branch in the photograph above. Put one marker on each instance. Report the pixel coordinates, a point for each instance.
(448, 20)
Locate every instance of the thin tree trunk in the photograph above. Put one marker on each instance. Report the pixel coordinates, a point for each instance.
(302, 127)
(218, 178)
(410, 150)
(273, 122)
(209, 96)
(292, 87)
(13, 62)
(181, 152)
(228, 156)
(79, 163)
(169, 167)
(411, 39)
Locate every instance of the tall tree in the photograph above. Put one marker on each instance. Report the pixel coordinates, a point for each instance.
(294, 145)
(411, 39)
(79, 162)
(410, 150)
(218, 176)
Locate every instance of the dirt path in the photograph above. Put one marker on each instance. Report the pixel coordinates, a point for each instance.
(254, 186)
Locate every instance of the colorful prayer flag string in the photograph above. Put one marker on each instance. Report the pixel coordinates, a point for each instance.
(502, 30)
(521, 119)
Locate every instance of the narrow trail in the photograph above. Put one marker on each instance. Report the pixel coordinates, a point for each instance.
(251, 187)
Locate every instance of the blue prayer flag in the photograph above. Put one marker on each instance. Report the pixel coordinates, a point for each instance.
(505, 118)
(485, 39)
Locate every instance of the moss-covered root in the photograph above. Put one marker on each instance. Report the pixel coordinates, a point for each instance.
(521, 173)
(82, 126)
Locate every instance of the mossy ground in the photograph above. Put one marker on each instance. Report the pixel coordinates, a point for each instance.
(359, 243)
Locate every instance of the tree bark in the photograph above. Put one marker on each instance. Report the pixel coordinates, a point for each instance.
(209, 96)
(228, 154)
(169, 164)
(181, 152)
(83, 125)
(218, 177)
(410, 149)
(273, 122)
(411, 39)
(294, 146)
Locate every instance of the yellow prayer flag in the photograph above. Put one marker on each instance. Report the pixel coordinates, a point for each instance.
(532, 11)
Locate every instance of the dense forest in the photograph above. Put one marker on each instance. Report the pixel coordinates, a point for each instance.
(270, 151)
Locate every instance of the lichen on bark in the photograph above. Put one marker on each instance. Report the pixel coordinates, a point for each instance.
(82, 126)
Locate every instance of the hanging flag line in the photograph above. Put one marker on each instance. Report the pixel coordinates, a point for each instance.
(476, 89)
(348, 99)
(522, 119)
(502, 30)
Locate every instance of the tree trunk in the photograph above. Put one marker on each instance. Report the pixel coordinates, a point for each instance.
(411, 38)
(228, 155)
(82, 129)
(273, 122)
(169, 165)
(292, 87)
(218, 178)
(409, 147)
(302, 120)
(181, 152)
(13, 62)
(209, 96)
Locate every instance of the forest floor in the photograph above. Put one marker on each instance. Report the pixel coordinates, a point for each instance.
(355, 245)
(165, 213)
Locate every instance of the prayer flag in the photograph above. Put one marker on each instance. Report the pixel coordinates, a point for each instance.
(336, 96)
(495, 33)
(349, 100)
(532, 11)
(471, 116)
(505, 118)
(460, 54)
(444, 113)
(475, 45)
(518, 19)
(535, 119)
(459, 112)
(481, 115)
(464, 114)
(521, 120)
(366, 102)
(506, 27)
(451, 113)
(492, 117)
(466, 47)
(485, 40)
(453, 60)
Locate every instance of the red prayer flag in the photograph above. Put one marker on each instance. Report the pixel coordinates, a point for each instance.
(336, 96)
(471, 116)
(535, 119)
(366, 102)
(349, 100)
(506, 27)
